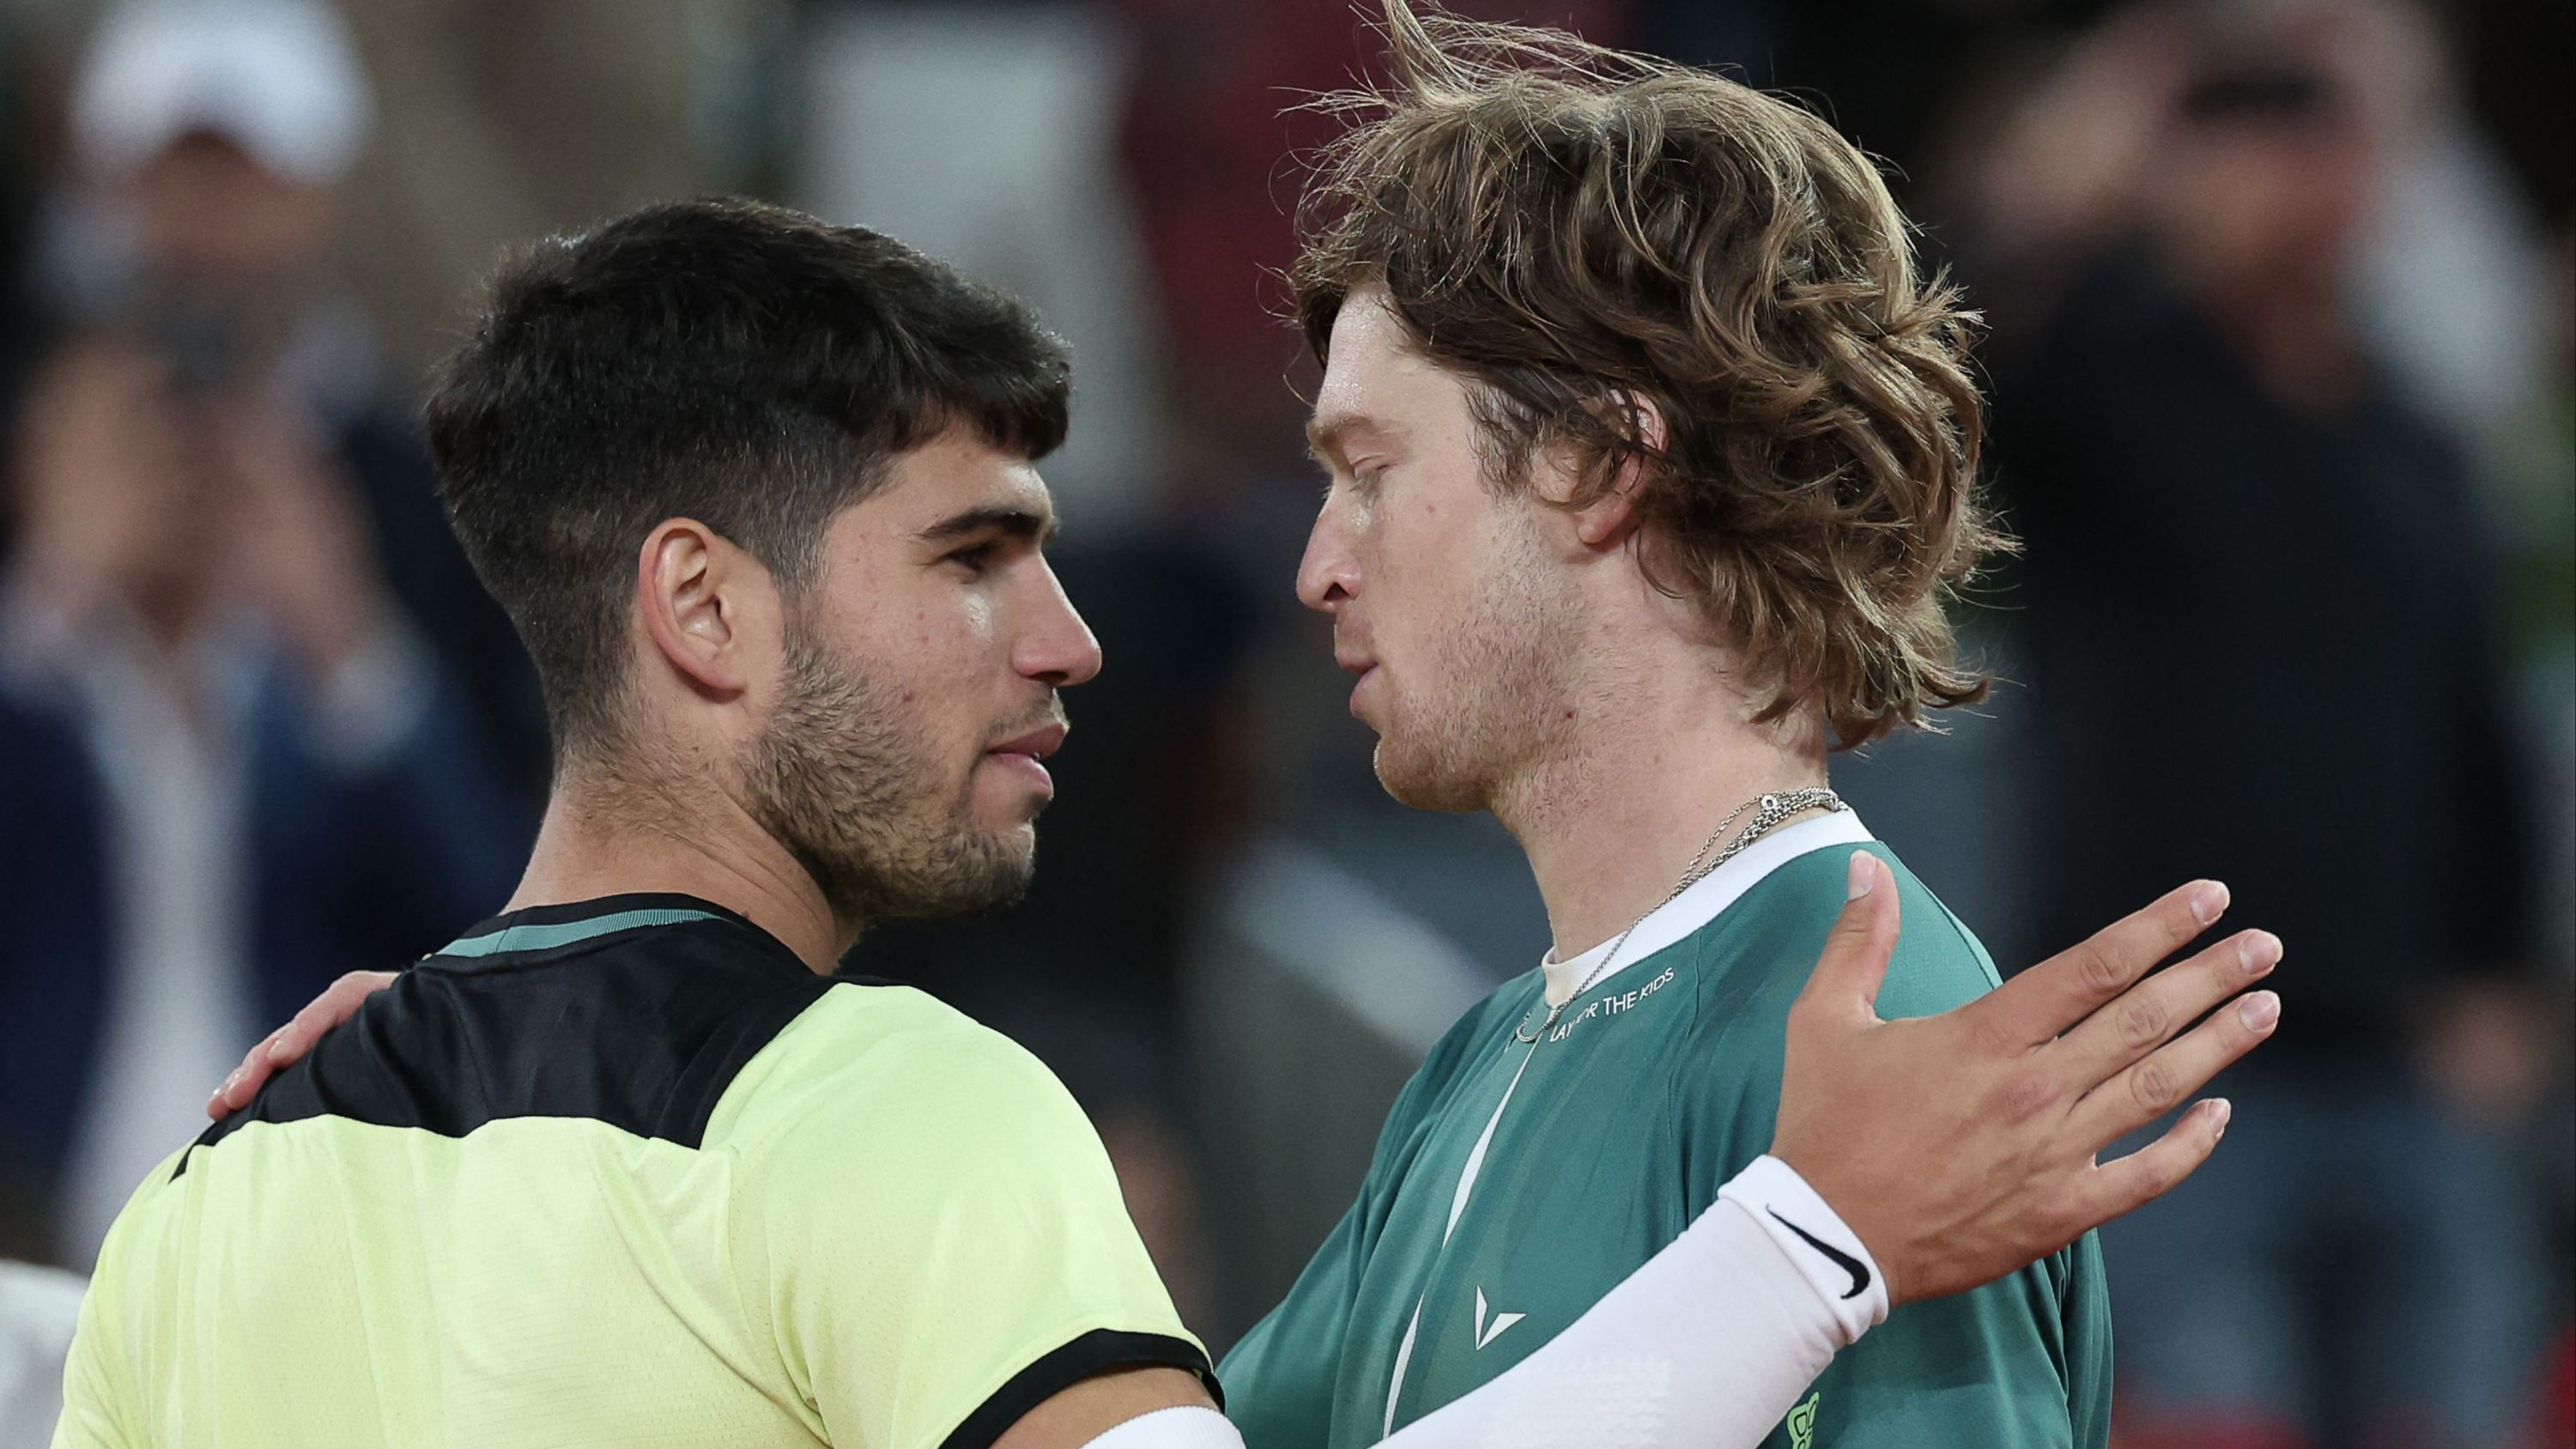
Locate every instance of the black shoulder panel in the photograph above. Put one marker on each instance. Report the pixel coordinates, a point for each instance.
(642, 1029)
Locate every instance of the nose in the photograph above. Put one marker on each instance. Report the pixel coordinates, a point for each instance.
(1058, 649)
(1329, 573)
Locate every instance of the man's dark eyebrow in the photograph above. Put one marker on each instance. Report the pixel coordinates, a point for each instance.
(1004, 519)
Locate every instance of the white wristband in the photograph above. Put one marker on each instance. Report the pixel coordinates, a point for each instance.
(1814, 1237)
(1187, 1427)
(1705, 1347)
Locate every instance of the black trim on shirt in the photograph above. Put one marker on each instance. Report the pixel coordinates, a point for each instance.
(641, 1029)
(1088, 1356)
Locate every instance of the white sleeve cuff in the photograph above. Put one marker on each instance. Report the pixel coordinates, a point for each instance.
(1188, 1427)
(1826, 1251)
(1707, 1346)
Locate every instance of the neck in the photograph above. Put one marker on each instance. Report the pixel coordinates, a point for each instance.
(606, 837)
(1617, 814)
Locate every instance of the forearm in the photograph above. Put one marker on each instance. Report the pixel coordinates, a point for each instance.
(1708, 1346)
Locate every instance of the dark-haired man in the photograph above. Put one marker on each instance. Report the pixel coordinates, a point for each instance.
(627, 1165)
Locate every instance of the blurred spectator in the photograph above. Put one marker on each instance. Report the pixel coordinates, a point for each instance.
(503, 121)
(984, 135)
(236, 755)
(38, 1307)
(2263, 644)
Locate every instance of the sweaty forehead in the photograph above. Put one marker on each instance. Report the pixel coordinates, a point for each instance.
(954, 472)
(1375, 379)
(939, 492)
(1369, 341)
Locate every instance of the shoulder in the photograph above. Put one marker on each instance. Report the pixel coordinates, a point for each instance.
(1756, 957)
(1501, 1009)
(883, 1063)
(923, 1217)
(1939, 963)
(1753, 960)
(124, 1297)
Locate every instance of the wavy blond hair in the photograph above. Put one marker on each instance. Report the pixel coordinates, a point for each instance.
(1574, 230)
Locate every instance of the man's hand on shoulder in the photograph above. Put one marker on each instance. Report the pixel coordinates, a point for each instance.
(1963, 1146)
(288, 1044)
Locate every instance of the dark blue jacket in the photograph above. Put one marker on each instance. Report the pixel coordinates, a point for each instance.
(347, 870)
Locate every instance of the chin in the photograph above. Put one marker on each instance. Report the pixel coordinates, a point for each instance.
(1419, 781)
(992, 876)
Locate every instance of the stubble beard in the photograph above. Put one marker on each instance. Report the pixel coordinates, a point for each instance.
(1492, 694)
(842, 777)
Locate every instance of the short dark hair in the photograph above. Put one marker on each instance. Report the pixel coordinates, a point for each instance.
(740, 364)
(1566, 226)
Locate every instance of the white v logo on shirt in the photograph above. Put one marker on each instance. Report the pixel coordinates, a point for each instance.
(1502, 1321)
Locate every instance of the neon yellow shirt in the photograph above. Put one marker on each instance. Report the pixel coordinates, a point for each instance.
(623, 1173)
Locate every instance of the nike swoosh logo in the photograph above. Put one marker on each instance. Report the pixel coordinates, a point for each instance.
(1845, 1261)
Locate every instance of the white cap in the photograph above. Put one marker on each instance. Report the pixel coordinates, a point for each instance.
(279, 78)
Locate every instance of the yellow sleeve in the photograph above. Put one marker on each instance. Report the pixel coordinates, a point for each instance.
(937, 1244)
(94, 1400)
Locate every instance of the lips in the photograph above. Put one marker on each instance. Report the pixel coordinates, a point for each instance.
(1025, 756)
(1037, 744)
(1365, 669)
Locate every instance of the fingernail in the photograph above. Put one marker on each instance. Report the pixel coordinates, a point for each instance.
(2209, 901)
(230, 1082)
(2219, 1111)
(2259, 1010)
(1863, 879)
(277, 1051)
(2259, 952)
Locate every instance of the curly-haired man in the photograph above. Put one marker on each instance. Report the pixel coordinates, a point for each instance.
(1651, 460)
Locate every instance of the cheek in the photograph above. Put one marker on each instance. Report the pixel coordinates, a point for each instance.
(926, 654)
(1404, 550)
(940, 635)
(1451, 566)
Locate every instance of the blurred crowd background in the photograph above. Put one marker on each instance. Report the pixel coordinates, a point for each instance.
(2279, 308)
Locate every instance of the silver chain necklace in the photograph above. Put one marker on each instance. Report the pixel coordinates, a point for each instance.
(1772, 809)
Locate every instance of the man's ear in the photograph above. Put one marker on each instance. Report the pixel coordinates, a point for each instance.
(1609, 519)
(703, 601)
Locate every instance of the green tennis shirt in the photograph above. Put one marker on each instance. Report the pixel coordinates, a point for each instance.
(1515, 1185)
(623, 1173)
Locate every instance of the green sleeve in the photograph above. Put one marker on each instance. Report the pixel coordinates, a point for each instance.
(1998, 1368)
(2088, 1345)
(1981, 1370)
(1279, 1380)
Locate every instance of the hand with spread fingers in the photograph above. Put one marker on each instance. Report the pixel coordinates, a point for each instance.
(1962, 1146)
